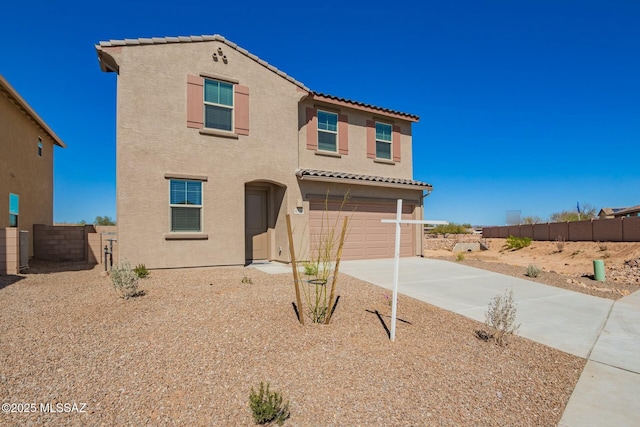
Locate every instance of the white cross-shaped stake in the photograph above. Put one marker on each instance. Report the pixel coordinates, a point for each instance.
(396, 266)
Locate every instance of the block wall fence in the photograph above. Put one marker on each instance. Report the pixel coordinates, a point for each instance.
(624, 229)
(9, 251)
(72, 242)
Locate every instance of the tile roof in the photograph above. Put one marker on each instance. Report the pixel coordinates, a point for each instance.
(362, 179)
(217, 37)
(7, 90)
(626, 211)
(408, 116)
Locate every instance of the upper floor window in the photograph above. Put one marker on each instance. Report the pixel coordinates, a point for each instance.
(327, 131)
(185, 201)
(40, 147)
(383, 140)
(218, 105)
(14, 209)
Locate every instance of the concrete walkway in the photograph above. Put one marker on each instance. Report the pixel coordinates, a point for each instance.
(606, 334)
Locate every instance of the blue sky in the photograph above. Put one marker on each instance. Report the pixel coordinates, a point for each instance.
(523, 105)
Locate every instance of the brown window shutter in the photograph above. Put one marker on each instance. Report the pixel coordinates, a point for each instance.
(396, 143)
(241, 109)
(371, 139)
(343, 134)
(312, 129)
(195, 103)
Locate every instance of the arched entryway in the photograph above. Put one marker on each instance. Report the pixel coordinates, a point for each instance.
(263, 203)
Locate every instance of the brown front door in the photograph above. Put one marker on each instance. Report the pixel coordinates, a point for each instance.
(255, 220)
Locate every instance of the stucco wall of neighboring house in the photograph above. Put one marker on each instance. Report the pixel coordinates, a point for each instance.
(22, 171)
(153, 140)
(356, 160)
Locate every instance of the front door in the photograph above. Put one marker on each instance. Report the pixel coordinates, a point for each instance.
(255, 220)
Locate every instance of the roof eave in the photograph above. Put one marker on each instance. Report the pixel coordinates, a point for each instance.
(363, 182)
(26, 108)
(363, 107)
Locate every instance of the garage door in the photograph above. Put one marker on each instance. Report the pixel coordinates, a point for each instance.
(367, 237)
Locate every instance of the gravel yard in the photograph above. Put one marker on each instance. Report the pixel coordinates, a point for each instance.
(189, 351)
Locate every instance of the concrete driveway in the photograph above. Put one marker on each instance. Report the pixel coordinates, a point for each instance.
(597, 329)
(555, 317)
(606, 334)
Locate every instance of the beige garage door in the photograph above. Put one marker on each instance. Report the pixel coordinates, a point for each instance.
(367, 238)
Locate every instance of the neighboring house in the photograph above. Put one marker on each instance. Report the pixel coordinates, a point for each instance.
(627, 212)
(606, 213)
(26, 164)
(215, 146)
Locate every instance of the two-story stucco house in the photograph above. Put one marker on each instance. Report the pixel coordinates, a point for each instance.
(26, 169)
(215, 146)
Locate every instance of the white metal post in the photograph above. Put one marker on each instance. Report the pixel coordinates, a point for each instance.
(396, 264)
(396, 269)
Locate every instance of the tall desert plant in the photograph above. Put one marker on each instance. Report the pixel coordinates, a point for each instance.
(323, 256)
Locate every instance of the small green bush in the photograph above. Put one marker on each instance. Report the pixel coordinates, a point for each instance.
(516, 243)
(267, 406)
(310, 268)
(451, 228)
(247, 280)
(125, 281)
(460, 257)
(141, 271)
(533, 270)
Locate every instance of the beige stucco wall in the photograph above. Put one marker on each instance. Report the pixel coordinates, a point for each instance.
(356, 160)
(153, 139)
(22, 171)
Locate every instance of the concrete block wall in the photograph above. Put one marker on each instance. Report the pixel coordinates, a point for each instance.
(97, 239)
(59, 242)
(625, 229)
(541, 232)
(580, 231)
(9, 251)
(631, 229)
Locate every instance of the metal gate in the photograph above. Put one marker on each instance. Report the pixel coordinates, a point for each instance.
(24, 249)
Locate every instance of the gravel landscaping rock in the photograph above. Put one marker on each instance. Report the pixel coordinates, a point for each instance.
(190, 349)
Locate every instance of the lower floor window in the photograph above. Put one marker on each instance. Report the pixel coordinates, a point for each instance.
(185, 201)
(14, 209)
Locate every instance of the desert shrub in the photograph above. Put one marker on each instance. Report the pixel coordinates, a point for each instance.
(533, 270)
(603, 247)
(560, 243)
(517, 242)
(501, 317)
(125, 280)
(247, 280)
(267, 407)
(460, 257)
(141, 271)
(452, 228)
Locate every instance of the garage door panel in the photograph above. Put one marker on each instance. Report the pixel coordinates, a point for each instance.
(367, 237)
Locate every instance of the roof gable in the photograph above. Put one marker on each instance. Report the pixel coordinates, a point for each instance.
(106, 66)
(7, 90)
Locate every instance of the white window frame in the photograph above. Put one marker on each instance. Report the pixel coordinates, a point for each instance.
(390, 141)
(328, 131)
(200, 206)
(215, 104)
